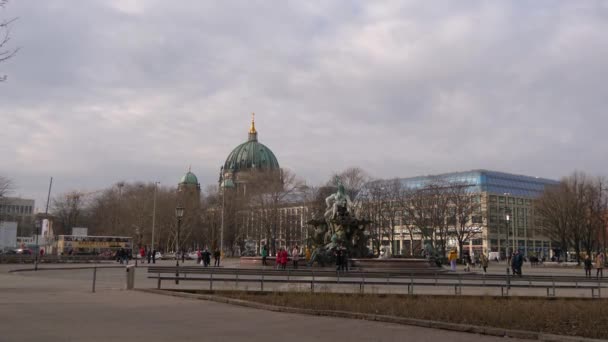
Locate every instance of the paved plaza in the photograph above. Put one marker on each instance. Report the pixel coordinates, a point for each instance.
(59, 306)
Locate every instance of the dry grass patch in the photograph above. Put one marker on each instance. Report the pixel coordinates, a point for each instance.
(576, 317)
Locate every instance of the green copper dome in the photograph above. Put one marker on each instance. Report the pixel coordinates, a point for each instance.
(189, 178)
(251, 155)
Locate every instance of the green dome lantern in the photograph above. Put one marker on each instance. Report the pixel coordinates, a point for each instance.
(251, 155)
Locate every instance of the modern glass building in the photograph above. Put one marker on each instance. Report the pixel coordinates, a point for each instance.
(499, 193)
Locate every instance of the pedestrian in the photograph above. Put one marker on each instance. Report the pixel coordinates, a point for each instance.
(154, 255)
(206, 257)
(183, 256)
(149, 256)
(588, 266)
(216, 256)
(264, 255)
(452, 257)
(295, 256)
(199, 257)
(467, 261)
(339, 258)
(484, 263)
(307, 254)
(599, 265)
(517, 262)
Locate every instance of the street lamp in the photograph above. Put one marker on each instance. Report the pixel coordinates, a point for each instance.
(154, 214)
(37, 224)
(507, 221)
(136, 249)
(226, 183)
(179, 214)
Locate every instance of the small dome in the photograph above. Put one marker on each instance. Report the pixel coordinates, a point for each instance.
(189, 178)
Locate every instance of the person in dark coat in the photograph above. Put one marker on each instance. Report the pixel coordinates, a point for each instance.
(517, 262)
(217, 255)
(588, 266)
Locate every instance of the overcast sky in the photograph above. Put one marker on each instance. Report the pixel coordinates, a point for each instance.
(104, 91)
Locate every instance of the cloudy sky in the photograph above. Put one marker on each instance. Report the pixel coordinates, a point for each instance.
(104, 91)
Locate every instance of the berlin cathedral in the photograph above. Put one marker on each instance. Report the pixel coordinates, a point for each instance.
(251, 207)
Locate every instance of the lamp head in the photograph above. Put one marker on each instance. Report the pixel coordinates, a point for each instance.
(179, 212)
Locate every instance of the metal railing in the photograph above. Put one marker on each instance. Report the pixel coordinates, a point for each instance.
(409, 279)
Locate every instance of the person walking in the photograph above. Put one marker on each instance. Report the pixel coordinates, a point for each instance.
(452, 257)
(264, 255)
(149, 256)
(206, 257)
(588, 266)
(339, 258)
(517, 262)
(183, 256)
(199, 257)
(599, 265)
(295, 256)
(484, 263)
(154, 255)
(217, 255)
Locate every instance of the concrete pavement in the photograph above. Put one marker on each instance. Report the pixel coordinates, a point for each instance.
(49, 307)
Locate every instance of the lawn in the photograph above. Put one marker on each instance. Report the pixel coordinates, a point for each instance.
(575, 317)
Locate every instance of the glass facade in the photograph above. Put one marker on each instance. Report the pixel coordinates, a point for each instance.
(499, 193)
(488, 181)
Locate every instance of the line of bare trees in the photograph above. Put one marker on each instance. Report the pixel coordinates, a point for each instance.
(434, 212)
(573, 213)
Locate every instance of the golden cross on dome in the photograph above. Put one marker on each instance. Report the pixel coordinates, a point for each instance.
(252, 128)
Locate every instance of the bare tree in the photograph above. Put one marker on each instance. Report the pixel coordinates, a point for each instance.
(465, 214)
(572, 214)
(267, 196)
(67, 210)
(428, 212)
(5, 36)
(371, 206)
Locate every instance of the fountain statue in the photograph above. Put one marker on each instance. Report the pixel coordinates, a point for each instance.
(338, 229)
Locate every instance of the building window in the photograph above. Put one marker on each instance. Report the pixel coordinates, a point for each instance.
(492, 198)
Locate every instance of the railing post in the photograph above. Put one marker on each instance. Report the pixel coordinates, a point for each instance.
(262, 282)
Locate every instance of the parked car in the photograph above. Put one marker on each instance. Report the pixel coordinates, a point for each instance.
(24, 251)
(158, 256)
(192, 255)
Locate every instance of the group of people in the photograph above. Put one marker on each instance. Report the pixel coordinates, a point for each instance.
(204, 257)
(283, 257)
(600, 260)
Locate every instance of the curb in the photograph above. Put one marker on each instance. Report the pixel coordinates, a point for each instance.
(467, 328)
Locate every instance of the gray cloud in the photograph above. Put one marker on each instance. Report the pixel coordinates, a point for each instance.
(138, 90)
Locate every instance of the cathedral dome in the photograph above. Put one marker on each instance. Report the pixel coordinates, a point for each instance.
(251, 155)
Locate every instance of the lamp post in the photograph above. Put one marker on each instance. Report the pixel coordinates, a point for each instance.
(179, 214)
(137, 245)
(154, 214)
(226, 183)
(37, 224)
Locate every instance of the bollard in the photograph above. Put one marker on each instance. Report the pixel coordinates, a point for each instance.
(130, 273)
(94, 278)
